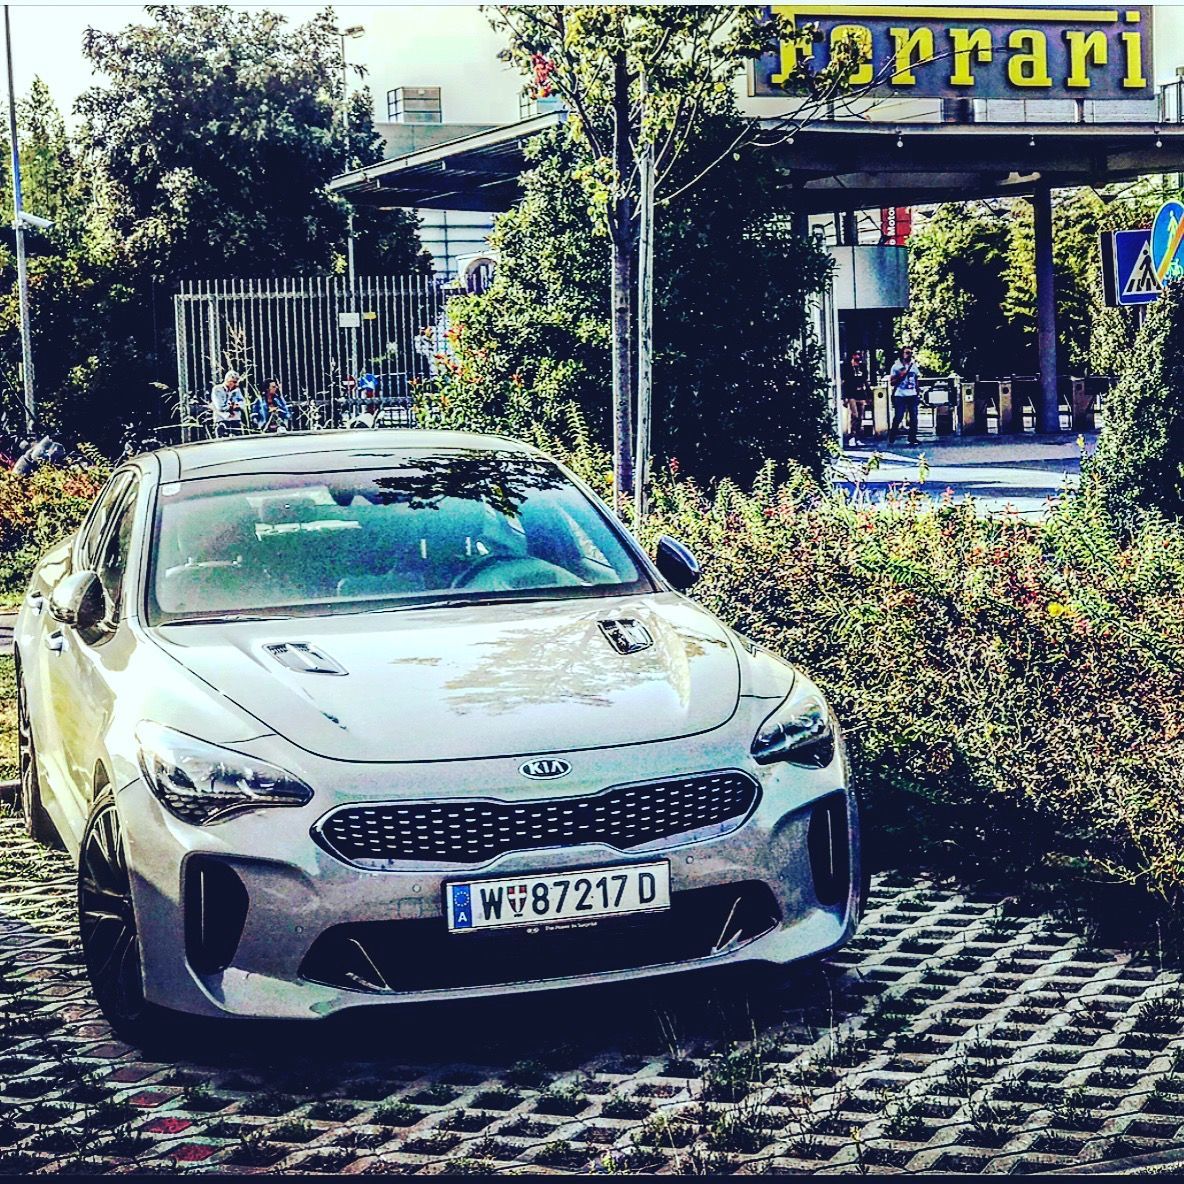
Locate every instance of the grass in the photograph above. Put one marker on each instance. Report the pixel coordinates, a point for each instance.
(8, 756)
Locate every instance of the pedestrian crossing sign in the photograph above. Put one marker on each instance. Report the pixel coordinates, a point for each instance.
(1130, 272)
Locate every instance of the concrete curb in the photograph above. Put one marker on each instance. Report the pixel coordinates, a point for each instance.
(1118, 1167)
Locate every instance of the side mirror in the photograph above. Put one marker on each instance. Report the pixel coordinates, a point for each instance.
(79, 601)
(676, 563)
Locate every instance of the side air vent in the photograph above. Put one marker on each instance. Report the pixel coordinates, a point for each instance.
(304, 658)
(215, 912)
(827, 840)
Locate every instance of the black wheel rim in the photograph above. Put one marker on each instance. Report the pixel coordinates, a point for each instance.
(26, 765)
(110, 944)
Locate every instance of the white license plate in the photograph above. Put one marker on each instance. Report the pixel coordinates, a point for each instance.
(557, 897)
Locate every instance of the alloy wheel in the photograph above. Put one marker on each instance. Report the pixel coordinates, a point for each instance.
(110, 943)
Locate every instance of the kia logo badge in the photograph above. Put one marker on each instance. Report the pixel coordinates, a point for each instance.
(545, 770)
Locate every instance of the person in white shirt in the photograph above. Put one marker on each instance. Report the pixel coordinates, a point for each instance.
(228, 405)
(906, 393)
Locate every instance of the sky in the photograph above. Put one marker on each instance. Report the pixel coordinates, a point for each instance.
(403, 42)
(404, 45)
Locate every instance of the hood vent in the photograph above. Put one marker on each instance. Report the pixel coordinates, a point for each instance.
(626, 635)
(304, 658)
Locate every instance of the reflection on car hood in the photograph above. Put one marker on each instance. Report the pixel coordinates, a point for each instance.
(452, 683)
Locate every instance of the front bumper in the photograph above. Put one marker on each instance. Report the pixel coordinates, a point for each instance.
(307, 912)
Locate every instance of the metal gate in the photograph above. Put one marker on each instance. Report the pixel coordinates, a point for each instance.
(317, 336)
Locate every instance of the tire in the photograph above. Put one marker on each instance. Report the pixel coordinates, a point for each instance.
(38, 824)
(110, 939)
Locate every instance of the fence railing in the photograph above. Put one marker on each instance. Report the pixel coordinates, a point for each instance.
(315, 334)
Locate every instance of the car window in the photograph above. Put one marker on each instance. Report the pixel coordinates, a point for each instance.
(446, 527)
(112, 560)
(90, 535)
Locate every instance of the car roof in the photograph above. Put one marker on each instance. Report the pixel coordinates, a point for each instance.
(309, 451)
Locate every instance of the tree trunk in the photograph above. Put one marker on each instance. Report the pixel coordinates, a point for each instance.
(624, 272)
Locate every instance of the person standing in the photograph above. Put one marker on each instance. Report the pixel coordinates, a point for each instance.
(270, 411)
(228, 405)
(903, 379)
(856, 394)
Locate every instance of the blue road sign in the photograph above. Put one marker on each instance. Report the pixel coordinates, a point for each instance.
(1167, 242)
(1135, 278)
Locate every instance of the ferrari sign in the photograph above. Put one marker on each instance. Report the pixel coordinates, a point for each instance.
(970, 52)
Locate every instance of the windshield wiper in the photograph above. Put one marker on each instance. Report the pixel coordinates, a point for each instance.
(464, 602)
(220, 619)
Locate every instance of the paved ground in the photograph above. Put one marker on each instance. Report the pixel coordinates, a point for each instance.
(952, 1037)
(1020, 474)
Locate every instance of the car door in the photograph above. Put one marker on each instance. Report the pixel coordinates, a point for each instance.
(79, 670)
(41, 661)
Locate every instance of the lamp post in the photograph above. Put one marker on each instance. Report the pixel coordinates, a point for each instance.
(18, 225)
(350, 33)
(354, 31)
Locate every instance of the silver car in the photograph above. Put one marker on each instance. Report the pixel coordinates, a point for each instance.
(348, 718)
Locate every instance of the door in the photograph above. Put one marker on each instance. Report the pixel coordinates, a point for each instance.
(79, 670)
(42, 661)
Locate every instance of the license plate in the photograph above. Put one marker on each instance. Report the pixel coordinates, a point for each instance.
(558, 897)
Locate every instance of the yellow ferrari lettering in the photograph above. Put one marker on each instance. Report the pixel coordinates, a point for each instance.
(912, 46)
(1085, 50)
(968, 44)
(1028, 67)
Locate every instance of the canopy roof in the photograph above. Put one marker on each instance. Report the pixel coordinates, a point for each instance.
(828, 166)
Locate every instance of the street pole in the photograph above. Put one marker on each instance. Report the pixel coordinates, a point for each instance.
(18, 226)
(645, 317)
(351, 274)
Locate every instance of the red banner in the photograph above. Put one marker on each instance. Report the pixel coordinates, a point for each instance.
(896, 224)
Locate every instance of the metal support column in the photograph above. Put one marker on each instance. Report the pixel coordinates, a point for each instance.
(1047, 414)
(18, 226)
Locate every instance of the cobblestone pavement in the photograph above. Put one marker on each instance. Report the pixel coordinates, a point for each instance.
(952, 1037)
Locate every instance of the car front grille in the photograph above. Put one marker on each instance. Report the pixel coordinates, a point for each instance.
(624, 817)
(421, 955)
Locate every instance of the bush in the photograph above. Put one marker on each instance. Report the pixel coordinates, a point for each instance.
(38, 511)
(1009, 690)
(1140, 456)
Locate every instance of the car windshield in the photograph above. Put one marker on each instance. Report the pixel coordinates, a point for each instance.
(448, 527)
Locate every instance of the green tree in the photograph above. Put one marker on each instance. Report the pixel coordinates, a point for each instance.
(215, 131)
(1140, 454)
(1127, 207)
(739, 379)
(205, 151)
(958, 288)
(638, 81)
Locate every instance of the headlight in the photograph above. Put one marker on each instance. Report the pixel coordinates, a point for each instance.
(202, 783)
(799, 732)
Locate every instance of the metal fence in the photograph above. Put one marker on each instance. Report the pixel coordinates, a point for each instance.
(316, 335)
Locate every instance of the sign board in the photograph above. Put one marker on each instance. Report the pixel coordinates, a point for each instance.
(1128, 271)
(1007, 52)
(1137, 263)
(896, 224)
(349, 320)
(1167, 242)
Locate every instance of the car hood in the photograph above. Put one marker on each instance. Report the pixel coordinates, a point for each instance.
(454, 683)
